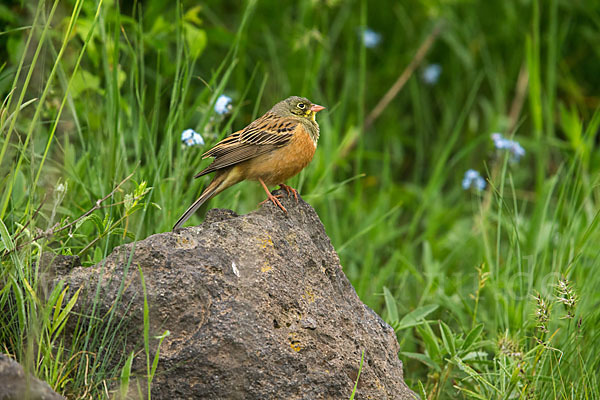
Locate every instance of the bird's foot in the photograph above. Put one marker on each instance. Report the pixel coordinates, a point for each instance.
(275, 201)
(289, 190)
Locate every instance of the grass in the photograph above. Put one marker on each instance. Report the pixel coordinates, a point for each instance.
(493, 294)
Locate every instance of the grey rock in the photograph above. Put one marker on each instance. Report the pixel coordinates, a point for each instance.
(16, 385)
(257, 306)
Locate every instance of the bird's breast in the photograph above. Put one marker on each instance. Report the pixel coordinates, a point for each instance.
(285, 162)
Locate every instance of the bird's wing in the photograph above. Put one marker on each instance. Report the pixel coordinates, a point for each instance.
(261, 136)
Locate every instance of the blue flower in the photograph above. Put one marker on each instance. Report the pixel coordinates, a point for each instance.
(370, 38)
(223, 104)
(191, 138)
(431, 74)
(517, 151)
(512, 146)
(473, 179)
(499, 141)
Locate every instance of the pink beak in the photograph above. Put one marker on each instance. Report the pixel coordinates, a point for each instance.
(316, 108)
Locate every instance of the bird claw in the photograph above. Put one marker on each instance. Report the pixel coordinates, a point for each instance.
(289, 189)
(275, 201)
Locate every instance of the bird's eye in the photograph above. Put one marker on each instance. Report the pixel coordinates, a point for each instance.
(301, 106)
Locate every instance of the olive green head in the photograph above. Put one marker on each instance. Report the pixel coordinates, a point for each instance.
(297, 107)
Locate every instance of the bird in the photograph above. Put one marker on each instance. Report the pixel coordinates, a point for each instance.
(270, 150)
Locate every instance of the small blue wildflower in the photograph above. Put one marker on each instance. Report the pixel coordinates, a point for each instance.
(512, 146)
(499, 141)
(431, 74)
(223, 104)
(370, 38)
(191, 138)
(517, 151)
(473, 179)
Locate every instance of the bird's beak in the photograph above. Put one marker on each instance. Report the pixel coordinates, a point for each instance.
(316, 108)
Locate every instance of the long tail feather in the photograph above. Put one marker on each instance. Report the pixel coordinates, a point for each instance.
(215, 187)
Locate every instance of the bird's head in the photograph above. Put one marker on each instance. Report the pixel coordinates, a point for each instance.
(297, 107)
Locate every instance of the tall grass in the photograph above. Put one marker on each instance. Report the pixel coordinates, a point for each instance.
(477, 284)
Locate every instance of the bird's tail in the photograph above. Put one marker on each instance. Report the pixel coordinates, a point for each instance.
(215, 187)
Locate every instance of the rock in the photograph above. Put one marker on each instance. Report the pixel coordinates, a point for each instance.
(257, 306)
(15, 385)
(52, 266)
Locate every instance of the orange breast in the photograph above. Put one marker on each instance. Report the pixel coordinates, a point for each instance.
(281, 164)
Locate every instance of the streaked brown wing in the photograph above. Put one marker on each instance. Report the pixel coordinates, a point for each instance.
(269, 129)
(261, 136)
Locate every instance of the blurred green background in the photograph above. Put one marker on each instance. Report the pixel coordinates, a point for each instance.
(492, 292)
